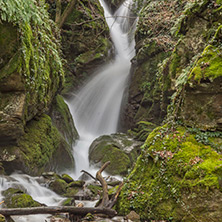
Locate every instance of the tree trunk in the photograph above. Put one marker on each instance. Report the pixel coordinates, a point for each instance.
(82, 211)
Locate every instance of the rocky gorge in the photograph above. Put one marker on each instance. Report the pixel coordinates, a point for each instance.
(170, 156)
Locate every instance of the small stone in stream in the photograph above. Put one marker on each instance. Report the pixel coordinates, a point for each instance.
(67, 178)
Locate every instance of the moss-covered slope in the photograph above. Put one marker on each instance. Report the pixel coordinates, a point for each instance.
(176, 178)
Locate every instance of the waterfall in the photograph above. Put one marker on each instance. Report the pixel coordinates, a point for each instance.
(96, 107)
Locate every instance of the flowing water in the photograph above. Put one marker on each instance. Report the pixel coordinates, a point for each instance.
(95, 108)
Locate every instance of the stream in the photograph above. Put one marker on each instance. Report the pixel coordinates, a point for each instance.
(95, 109)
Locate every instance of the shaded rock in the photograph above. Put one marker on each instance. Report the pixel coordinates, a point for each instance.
(67, 178)
(11, 117)
(120, 149)
(41, 148)
(84, 53)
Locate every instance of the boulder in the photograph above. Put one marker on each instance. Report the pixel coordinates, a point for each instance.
(118, 148)
(15, 198)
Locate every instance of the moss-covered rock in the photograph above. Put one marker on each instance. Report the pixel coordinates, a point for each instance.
(41, 148)
(119, 149)
(59, 186)
(142, 130)
(31, 70)
(77, 183)
(174, 178)
(15, 198)
(68, 179)
(85, 41)
(63, 120)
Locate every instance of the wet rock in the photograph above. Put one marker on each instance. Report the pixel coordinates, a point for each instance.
(120, 149)
(67, 178)
(15, 198)
(59, 186)
(77, 183)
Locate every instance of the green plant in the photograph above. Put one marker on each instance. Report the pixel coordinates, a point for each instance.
(39, 52)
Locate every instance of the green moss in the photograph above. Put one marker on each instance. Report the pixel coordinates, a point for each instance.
(96, 190)
(8, 42)
(68, 202)
(40, 53)
(67, 178)
(172, 162)
(120, 161)
(208, 66)
(59, 186)
(39, 142)
(71, 192)
(15, 198)
(63, 120)
(77, 183)
(175, 65)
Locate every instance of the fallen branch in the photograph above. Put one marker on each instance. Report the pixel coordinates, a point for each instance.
(106, 202)
(53, 210)
(83, 171)
(105, 198)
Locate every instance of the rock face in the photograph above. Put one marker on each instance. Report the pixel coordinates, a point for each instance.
(120, 149)
(177, 76)
(31, 74)
(85, 42)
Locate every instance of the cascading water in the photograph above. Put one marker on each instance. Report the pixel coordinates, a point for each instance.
(95, 109)
(97, 105)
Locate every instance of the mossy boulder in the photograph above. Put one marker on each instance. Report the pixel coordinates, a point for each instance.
(63, 185)
(119, 149)
(41, 148)
(15, 198)
(177, 177)
(63, 120)
(59, 186)
(67, 178)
